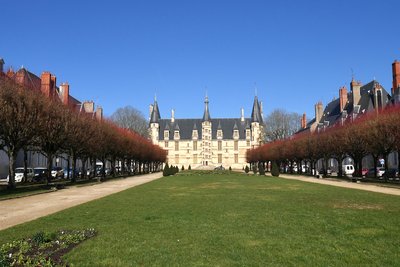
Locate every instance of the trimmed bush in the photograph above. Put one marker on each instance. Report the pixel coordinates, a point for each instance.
(189, 168)
(261, 170)
(230, 168)
(275, 169)
(166, 170)
(246, 170)
(255, 169)
(183, 168)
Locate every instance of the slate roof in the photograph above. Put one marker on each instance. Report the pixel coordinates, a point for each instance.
(256, 112)
(186, 127)
(155, 114)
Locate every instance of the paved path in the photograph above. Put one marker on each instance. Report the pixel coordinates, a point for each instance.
(20, 210)
(346, 184)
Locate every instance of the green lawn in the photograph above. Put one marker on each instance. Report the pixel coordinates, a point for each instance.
(231, 220)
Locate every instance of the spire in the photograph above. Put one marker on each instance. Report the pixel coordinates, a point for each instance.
(247, 125)
(195, 127)
(235, 127)
(177, 127)
(256, 113)
(219, 126)
(155, 114)
(206, 116)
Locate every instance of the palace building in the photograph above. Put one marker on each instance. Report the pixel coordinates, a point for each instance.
(207, 142)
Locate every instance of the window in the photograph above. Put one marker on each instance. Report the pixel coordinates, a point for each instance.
(235, 133)
(236, 145)
(188, 151)
(176, 159)
(236, 158)
(248, 134)
(176, 135)
(166, 135)
(194, 145)
(248, 143)
(219, 133)
(219, 158)
(176, 145)
(166, 144)
(195, 158)
(219, 145)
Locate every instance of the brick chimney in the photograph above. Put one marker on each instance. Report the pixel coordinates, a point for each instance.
(46, 84)
(65, 93)
(396, 75)
(1, 65)
(53, 85)
(99, 113)
(304, 121)
(318, 112)
(355, 87)
(342, 98)
(10, 73)
(88, 107)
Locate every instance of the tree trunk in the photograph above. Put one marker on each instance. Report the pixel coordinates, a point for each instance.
(73, 178)
(340, 166)
(11, 168)
(49, 166)
(375, 166)
(385, 158)
(68, 166)
(84, 161)
(25, 166)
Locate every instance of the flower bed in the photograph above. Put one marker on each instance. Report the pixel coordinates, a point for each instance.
(42, 249)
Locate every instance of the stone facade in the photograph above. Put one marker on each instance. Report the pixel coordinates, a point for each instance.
(207, 143)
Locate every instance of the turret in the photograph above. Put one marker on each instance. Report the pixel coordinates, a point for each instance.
(256, 112)
(206, 115)
(155, 123)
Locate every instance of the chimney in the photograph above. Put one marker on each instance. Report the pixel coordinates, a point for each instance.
(88, 106)
(396, 75)
(10, 73)
(342, 98)
(65, 93)
(318, 112)
(99, 113)
(172, 115)
(304, 121)
(45, 83)
(242, 114)
(1, 65)
(355, 87)
(53, 85)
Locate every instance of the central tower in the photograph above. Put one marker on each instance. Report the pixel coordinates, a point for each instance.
(206, 126)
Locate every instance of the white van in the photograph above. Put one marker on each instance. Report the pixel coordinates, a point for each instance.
(348, 170)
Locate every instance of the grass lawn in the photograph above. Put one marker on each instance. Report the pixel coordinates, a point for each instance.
(231, 220)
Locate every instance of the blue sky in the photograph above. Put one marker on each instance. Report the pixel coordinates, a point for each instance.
(120, 53)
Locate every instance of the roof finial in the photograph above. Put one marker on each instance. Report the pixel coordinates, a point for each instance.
(155, 97)
(352, 74)
(255, 89)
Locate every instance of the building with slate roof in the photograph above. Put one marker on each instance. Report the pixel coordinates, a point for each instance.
(47, 85)
(207, 142)
(361, 99)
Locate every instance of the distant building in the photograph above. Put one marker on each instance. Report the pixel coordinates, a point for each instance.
(207, 142)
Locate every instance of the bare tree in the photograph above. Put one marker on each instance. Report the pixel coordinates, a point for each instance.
(280, 124)
(130, 118)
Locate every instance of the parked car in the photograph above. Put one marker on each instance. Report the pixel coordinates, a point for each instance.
(364, 172)
(348, 170)
(78, 172)
(219, 168)
(19, 175)
(40, 174)
(392, 174)
(379, 173)
(57, 172)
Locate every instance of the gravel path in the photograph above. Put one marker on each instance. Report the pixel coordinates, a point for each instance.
(345, 184)
(20, 210)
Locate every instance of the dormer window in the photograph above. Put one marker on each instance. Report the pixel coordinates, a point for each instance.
(219, 134)
(195, 134)
(166, 135)
(247, 134)
(235, 133)
(176, 135)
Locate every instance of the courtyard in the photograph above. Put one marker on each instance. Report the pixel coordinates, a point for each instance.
(230, 219)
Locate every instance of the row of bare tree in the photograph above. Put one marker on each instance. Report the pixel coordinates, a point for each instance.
(376, 134)
(31, 122)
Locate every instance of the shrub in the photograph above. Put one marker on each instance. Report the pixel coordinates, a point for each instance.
(255, 169)
(261, 170)
(189, 168)
(230, 168)
(183, 168)
(275, 169)
(166, 170)
(246, 170)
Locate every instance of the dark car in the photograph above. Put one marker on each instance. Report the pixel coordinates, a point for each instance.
(392, 174)
(219, 168)
(40, 174)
